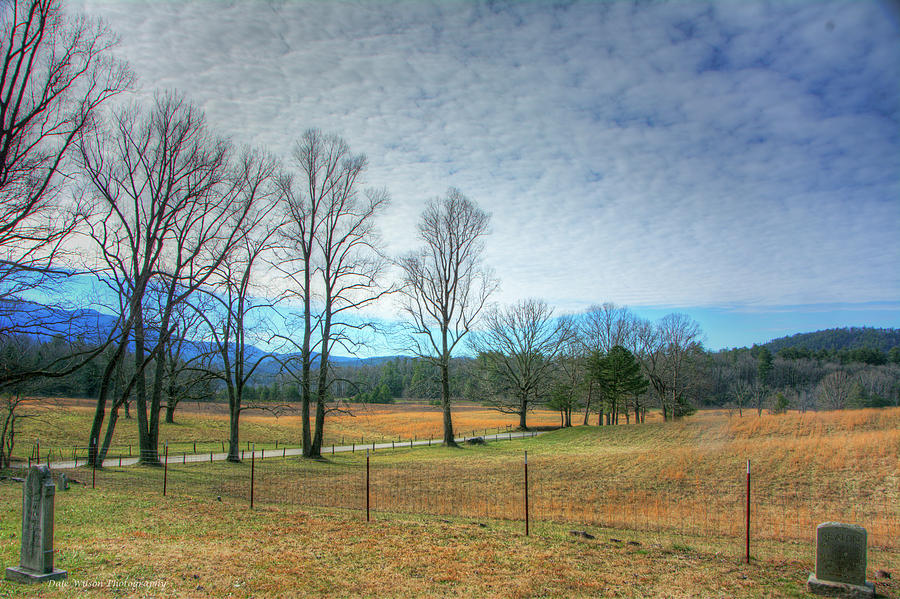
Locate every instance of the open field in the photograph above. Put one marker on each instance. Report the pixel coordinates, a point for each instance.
(203, 548)
(60, 424)
(450, 522)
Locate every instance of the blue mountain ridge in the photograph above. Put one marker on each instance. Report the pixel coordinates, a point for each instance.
(44, 323)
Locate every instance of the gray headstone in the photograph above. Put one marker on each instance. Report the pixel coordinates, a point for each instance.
(840, 561)
(36, 555)
(63, 482)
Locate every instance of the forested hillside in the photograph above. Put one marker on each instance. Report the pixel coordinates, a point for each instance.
(839, 339)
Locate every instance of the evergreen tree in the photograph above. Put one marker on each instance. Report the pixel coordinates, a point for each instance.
(619, 377)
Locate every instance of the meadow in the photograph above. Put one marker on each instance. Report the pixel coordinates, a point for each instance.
(664, 500)
(60, 424)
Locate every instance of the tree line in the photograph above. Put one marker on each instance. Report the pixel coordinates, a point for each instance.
(203, 250)
(184, 233)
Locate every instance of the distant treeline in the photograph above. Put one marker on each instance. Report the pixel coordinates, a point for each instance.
(793, 376)
(835, 340)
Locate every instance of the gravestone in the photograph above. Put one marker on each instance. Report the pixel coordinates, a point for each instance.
(63, 482)
(840, 562)
(36, 556)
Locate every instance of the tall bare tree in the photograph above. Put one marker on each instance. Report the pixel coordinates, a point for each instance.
(186, 376)
(166, 213)
(833, 391)
(517, 352)
(230, 312)
(333, 261)
(57, 71)
(605, 326)
(445, 285)
(573, 387)
(680, 335)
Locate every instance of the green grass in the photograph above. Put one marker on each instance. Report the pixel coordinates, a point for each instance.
(663, 500)
(198, 546)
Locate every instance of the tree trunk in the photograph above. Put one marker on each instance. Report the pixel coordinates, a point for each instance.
(100, 409)
(319, 431)
(587, 409)
(146, 449)
(449, 439)
(234, 450)
(159, 376)
(171, 389)
(322, 386)
(234, 414)
(305, 392)
(110, 429)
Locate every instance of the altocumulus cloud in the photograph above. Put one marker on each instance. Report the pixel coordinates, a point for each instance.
(683, 154)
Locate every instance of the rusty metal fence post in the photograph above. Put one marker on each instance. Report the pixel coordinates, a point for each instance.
(526, 494)
(747, 551)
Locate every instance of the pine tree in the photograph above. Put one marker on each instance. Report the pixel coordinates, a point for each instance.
(619, 377)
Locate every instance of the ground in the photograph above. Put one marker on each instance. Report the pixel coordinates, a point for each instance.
(663, 501)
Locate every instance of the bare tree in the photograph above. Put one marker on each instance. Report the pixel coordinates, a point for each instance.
(742, 391)
(834, 389)
(333, 260)
(166, 213)
(517, 353)
(605, 326)
(230, 310)
(445, 285)
(56, 73)
(573, 383)
(186, 376)
(679, 335)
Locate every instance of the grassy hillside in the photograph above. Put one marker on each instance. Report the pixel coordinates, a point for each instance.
(664, 501)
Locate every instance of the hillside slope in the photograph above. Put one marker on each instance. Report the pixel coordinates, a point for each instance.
(838, 339)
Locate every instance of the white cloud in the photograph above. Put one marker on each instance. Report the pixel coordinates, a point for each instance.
(677, 154)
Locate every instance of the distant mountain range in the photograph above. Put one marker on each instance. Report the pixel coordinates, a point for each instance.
(44, 323)
(838, 339)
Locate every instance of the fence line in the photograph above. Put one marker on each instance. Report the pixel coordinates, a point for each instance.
(125, 454)
(714, 511)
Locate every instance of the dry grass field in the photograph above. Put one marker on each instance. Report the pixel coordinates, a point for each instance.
(449, 522)
(190, 547)
(60, 424)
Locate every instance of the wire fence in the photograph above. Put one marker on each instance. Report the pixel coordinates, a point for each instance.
(696, 512)
(38, 453)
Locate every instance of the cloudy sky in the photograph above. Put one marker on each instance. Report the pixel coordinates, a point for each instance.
(738, 161)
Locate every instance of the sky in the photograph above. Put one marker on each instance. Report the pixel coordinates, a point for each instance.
(736, 161)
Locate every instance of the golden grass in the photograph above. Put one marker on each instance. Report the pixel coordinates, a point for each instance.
(61, 424)
(684, 478)
(199, 547)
